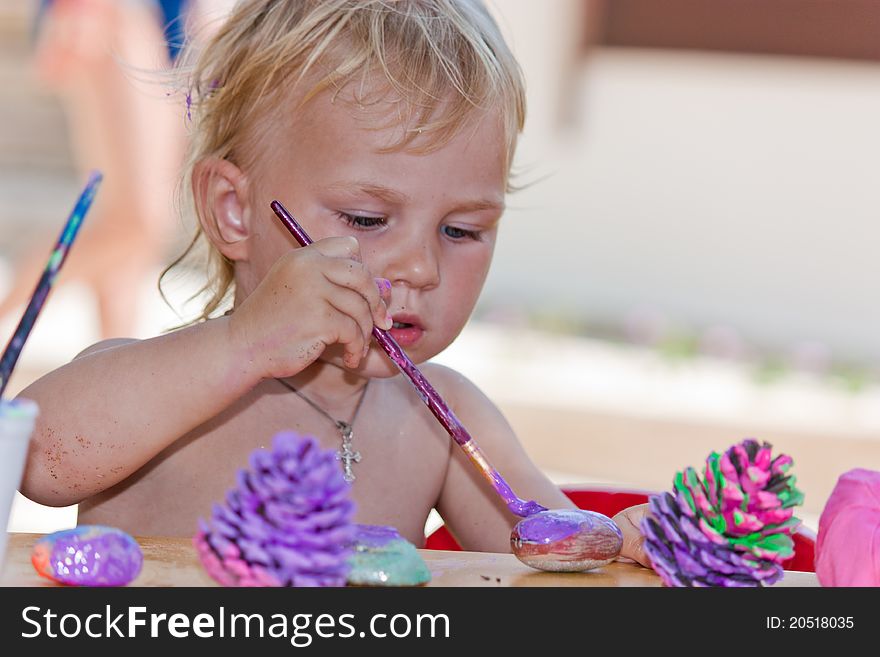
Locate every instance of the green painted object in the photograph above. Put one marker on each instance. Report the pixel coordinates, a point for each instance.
(382, 557)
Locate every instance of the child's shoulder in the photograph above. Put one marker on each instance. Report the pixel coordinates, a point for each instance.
(452, 384)
(104, 345)
(444, 375)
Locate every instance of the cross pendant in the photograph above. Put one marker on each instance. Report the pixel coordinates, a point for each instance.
(347, 455)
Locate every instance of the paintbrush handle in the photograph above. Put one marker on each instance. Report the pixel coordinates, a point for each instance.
(429, 395)
(44, 285)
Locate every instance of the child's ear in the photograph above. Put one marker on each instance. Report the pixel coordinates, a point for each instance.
(220, 191)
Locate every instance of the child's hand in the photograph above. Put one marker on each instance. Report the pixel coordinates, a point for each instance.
(630, 520)
(311, 298)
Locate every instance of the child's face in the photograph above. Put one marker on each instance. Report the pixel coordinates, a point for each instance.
(425, 221)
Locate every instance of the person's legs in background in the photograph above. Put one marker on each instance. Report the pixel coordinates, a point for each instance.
(101, 57)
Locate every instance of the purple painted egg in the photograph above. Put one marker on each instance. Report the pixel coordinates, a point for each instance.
(88, 555)
(566, 540)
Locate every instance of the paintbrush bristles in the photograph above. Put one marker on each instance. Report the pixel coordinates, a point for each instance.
(44, 285)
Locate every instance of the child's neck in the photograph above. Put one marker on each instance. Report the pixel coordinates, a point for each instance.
(328, 384)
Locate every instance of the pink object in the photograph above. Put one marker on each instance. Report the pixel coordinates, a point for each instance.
(848, 544)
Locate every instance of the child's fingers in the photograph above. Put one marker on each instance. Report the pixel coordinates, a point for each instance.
(347, 333)
(350, 335)
(384, 286)
(629, 520)
(343, 267)
(350, 304)
(338, 247)
(355, 276)
(634, 548)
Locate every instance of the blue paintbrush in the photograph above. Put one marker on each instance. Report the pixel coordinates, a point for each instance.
(44, 285)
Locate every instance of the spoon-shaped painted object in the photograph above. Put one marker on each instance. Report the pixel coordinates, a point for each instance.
(563, 540)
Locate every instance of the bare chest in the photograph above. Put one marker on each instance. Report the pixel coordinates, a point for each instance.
(398, 477)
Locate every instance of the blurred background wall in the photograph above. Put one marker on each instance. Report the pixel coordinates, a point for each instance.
(692, 260)
(707, 187)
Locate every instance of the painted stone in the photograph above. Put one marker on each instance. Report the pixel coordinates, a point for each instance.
(382, 557)
(566, 540)
(88, 555)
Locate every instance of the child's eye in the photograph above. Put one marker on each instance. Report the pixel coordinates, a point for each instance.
(460, 233)
(362, 221)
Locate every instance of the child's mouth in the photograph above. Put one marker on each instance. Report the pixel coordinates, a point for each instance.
(406, 333)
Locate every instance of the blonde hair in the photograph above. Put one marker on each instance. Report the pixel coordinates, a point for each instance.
(443, 58)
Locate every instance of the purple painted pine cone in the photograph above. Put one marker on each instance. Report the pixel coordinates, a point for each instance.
(732, 527)
(288, 523)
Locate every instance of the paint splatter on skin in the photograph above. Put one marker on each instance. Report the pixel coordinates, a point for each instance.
(54, 453)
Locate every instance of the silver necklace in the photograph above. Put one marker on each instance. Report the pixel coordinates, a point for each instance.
(347, 455)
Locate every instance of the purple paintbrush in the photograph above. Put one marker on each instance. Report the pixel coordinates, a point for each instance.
(430, 396)
(44, 285)
(556, 540)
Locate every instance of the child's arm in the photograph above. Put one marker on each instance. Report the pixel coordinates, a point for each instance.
(114, 408)
(476, 515)
(121, 402)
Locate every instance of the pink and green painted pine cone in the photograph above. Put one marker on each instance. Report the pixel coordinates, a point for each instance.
(288, 523)
(732, 527)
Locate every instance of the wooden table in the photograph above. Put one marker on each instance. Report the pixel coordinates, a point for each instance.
(173, 562)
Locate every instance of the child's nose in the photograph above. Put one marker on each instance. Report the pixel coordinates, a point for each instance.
(415, 264)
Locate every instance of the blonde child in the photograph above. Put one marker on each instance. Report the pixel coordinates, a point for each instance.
(388, 129)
